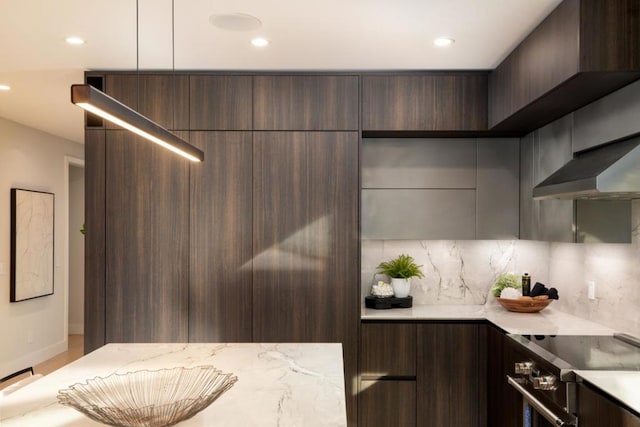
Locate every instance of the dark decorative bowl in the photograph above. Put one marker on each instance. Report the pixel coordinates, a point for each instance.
(148, 398)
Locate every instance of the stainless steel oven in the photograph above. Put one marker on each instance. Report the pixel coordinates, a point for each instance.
(542, 371)
(546, 399)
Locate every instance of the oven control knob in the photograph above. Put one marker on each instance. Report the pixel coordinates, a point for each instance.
(524, 368)
(546, 382)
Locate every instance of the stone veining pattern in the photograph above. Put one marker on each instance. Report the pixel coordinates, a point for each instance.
(462, 272)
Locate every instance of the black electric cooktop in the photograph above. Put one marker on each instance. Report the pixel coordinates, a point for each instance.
(583, 352)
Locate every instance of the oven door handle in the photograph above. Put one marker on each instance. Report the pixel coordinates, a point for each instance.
(547, 413)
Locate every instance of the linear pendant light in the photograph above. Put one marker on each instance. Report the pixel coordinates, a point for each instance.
(101, 104)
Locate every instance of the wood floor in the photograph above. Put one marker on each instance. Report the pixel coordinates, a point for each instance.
(75, 351)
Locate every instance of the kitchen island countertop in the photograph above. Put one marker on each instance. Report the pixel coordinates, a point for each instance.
(278, 384)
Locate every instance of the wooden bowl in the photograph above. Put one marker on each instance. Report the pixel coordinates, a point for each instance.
(524, 305)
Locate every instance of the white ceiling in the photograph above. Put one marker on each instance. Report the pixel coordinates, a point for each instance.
(306, 35)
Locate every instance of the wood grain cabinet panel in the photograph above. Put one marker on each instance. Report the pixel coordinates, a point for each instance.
(94, 270)
(147, 231)
(319, 103)
(504, 404)
(161, 98)
(387, 404)
(451, 375)
(583, 50)
(220, 238)
(433, 102)
(220, 102)
(305, 241)
(387, 350)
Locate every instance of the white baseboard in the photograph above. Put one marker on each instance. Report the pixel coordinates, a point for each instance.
(76, 328)
(32, 359)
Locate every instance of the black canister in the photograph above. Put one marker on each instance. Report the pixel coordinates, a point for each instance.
(526, 284)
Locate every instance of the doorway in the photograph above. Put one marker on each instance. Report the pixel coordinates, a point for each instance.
(75, 258)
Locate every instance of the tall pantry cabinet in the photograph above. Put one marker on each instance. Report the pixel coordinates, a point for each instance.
(257, 243)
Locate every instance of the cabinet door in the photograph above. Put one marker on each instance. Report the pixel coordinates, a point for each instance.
(306, 275)
(161, 98)
(388, 350)
(504, 404)
(596, 410)
(305, 103)
(221, 239)
(451, 375)
(220, 102)
(147, 241)
(387, 404)
(434, 102)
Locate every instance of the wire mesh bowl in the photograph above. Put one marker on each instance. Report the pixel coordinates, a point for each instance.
(148, 398)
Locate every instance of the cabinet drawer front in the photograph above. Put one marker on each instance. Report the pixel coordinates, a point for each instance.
(388, 403)
(388, 350)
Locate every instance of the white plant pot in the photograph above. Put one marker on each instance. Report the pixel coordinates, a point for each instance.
(401, 287)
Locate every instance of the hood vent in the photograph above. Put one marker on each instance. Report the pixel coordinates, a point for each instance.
(607, 172)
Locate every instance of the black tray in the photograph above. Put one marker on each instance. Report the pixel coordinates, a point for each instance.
(386, 303)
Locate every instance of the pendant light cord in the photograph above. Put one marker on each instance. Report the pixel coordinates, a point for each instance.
(138, 53)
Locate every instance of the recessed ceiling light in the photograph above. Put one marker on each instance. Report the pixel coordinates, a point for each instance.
(5, 87)
(74, 40)
(260, 42)
(443, 41)
(235, 22)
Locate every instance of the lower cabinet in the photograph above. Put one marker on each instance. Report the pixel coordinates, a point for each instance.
(422, 374)
(504, 404)
(596, 410)
(451, 375)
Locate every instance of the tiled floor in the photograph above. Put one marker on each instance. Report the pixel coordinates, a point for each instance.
(75, 351)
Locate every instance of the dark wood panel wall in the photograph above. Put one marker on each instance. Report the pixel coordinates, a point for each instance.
(146, 241)
(260, 242)
(221, 259)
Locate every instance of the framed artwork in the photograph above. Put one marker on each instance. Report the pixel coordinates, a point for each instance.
(32, 237)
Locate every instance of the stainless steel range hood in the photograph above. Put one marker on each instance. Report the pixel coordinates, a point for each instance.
(607, 172)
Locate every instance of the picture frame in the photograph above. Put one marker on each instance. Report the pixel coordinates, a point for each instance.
(32, 244)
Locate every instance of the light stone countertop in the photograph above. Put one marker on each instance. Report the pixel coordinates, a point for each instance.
(278, 384)
(546, 322)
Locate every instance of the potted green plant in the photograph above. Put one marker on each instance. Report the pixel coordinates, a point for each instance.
(401, 270)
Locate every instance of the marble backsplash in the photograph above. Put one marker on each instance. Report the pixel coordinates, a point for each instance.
(462, 272)
(457, 271)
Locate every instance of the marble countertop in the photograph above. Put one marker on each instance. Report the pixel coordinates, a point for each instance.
(623, 385)
(546, 322)
(278, 384)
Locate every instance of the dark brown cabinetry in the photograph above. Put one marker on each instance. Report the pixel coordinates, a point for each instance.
(583, 50)
(597, 410)
(220, 102)
(425, 102)
(319, 103)
(162, 98)
(387, 394)
(504, 404)
(220, 282)
(439, 366)
(147, 241)
(451, 375)
(305, 241)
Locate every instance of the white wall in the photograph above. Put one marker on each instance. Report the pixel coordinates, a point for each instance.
(76, 250)
(34, 330)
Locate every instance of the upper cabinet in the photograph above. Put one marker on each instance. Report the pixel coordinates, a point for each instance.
(583, 50)
(220, 102)
(161, 98)
(425, 102)
(305, 102)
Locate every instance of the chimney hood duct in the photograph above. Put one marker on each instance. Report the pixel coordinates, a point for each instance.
(611, 171)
